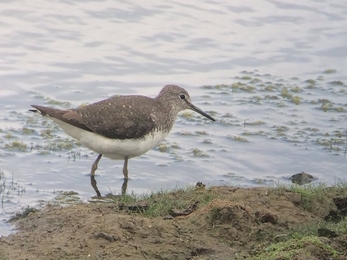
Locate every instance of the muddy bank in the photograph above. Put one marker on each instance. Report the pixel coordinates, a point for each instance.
(198, 223)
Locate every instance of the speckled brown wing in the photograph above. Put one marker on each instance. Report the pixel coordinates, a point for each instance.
(118, 118)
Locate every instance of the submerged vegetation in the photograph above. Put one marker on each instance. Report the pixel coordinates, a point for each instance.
(290, 99)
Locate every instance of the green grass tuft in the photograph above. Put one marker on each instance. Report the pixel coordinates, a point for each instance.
(23, 214)
(161, 203)
(294, 248)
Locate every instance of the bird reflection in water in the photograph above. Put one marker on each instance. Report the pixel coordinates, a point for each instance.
(96, 189)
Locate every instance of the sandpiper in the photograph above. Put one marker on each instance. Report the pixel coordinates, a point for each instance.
(123, 127)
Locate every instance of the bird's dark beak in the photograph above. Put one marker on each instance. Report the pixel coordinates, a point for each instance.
(198, 110)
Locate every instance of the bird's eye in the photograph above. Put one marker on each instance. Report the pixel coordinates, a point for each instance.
(182, 96)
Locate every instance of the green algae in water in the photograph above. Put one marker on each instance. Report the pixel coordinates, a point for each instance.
(296, 100)
(39, 96)
(227, 115)
(310, 86)
(257, 98)
(296, 89)
(311, 129)
(329, 71)
(270, 88)
(286, 94)
(248, 72)
(175, 146)
(187, 115)
(32, 120)
(323, 101)
(225, 122)
(212, 113)
(247, 88)
(332, 144)
(47, 133)
(258, 122)
(207, 141)
(311, 81)
(163, 148)
(221, 86)
(281, 128)
(65, 145)
(339, 109)
(199, 153)
(340, 134)
(218, 86)
(28, 131)
(238, 138)
(249, 133)
(43, 152)
(337, 83)
(281, 104)
(255, 81)
(9, 136)
(60, 145)
(271, 97)
(59, 103)
(16, 145)
(246, 78)
(242, 87)
(185, 133)
(330, 107)
(201, 132)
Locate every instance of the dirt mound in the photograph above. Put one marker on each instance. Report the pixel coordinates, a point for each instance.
(235, 223)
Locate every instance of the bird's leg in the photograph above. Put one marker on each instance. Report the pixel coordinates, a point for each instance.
(124, 186)
(125, 168)
(95, 165)
(94, 185)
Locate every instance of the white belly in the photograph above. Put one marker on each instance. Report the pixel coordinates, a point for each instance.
(113, 148)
